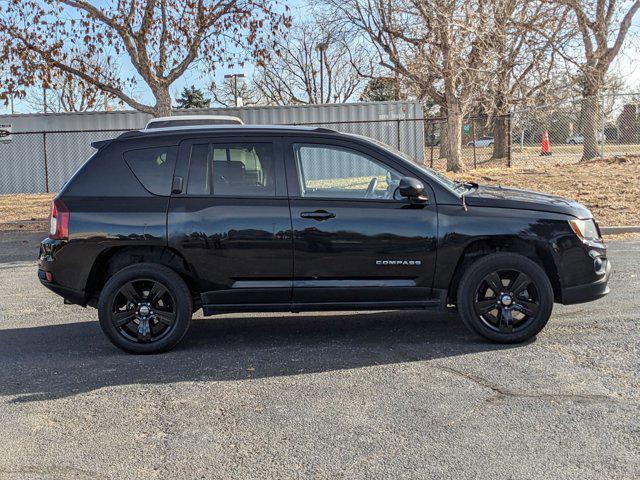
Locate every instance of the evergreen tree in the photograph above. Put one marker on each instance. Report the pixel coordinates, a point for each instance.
(193, 97)
(381, 89)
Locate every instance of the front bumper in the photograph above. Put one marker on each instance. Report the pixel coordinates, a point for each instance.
(589, 291)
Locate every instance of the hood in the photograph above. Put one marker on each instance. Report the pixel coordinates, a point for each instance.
(490, 196)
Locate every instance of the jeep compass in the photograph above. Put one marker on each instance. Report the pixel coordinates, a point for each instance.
(233, 218)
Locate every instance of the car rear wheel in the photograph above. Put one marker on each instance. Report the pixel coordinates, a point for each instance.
(145, 308)
(505, 297)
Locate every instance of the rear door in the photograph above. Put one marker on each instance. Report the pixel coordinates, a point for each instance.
(355, 241)
(229, 217)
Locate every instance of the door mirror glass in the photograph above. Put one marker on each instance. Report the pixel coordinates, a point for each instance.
(411, 188)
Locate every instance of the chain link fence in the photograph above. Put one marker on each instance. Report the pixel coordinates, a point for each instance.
(34, 162)
(613, 119)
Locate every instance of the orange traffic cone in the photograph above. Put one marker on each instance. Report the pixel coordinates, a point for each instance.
(546, 145)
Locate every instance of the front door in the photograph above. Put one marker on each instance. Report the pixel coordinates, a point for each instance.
(355, 240)
(229, 217)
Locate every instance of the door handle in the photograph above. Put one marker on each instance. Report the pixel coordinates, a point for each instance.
(176, 186)
(318, 215)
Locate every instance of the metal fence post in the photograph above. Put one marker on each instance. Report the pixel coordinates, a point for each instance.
(602, 125)
(398, 134)
(509, 138)
(432, 140)
(46, 162)
(473, 135)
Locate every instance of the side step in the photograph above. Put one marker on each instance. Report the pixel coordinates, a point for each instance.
(432, 304)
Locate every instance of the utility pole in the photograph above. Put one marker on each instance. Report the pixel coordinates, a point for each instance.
(44, 96)
(235, 76)
(322, 47)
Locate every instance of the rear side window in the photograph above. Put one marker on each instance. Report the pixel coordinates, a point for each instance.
(153, 167)
(239, 169)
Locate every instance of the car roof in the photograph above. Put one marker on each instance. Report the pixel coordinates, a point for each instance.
(191, 129)
(198, 130)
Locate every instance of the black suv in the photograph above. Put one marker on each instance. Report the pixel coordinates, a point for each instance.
(160, 223)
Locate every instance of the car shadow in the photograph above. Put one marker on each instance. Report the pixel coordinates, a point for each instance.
(63, 360)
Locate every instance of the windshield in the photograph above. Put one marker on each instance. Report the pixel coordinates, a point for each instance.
(454, 186)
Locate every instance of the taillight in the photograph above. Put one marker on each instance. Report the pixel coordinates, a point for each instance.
(59, 229)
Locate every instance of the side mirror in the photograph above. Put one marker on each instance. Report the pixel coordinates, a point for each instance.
(412, 188)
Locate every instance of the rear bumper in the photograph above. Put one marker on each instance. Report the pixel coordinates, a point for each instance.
(587, 292)
(69, 295)
(48, 250)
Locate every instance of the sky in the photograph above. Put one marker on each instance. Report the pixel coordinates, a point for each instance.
(627, 65)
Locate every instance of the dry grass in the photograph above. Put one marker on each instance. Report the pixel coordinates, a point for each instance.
(25, 207)
(609, 188)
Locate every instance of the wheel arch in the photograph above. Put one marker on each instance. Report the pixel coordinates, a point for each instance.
(114, 259)
(537, 251)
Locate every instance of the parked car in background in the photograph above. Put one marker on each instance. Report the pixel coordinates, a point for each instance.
(481, 142)
(578, 139)
(161, 223)
(575, 140)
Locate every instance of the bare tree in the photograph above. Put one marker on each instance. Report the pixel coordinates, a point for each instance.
(161, 38)
(522, 59)
(440, 46)
(68, 93)
(314, 66)
(603, 27)
(225, 93)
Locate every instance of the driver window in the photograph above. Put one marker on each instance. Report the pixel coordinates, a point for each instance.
(334, 172)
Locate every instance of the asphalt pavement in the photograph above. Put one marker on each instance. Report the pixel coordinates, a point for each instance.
(334, 395)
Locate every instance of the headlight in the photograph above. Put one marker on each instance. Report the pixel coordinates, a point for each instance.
(586, 230)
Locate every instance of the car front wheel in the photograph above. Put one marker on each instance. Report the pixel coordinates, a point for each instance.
(505, 297)
(145, 308)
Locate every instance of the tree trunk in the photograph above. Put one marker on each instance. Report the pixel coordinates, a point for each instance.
(442, 127)
(500, 137)
(163, 102)
(590, 113)
(444, 143)
(454, 139)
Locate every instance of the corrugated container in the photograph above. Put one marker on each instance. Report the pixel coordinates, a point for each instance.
(67, 143)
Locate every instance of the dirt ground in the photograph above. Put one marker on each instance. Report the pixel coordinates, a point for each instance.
(25, 207)
(610, 188)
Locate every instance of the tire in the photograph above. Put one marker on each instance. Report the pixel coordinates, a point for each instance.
(519, 311)
(166, 319)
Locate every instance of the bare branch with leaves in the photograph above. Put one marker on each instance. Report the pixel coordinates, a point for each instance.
(162, 39)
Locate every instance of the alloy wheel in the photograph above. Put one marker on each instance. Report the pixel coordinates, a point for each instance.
(507, 301)
(144, 311)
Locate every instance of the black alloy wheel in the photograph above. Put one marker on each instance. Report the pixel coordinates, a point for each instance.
(143, 311)
(505, 297)
(507, 300)
(145, 308)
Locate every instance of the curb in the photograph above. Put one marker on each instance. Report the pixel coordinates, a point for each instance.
(620, 229)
